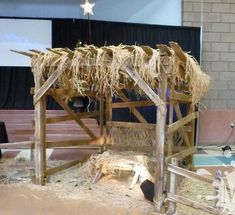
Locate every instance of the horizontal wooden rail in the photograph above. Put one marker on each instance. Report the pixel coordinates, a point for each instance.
(131, 147)
(191, 203)
(17, 145)
(180, 123)
(53, 170)
(188, 174)
(131, 104)
(130, 124)
(68, 92)
(97, 141)
(63, 118)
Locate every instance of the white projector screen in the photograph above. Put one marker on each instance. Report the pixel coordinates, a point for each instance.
(23, 35)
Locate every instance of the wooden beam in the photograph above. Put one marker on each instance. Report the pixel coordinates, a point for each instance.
(17, 145)
(130, 124)
(180, 97)
(109, 110)
(182, 154)
(170, 136)
(74, 115)
(82, 115)
(191, 203)
(182, 130)
(69, 92)
(133, 110)
(101, 114)
(28, 54)
(125, 147)
(173, 181)
(48, 83)
(131, 104)
(180, 123)
(71, 143)
(54, 170)
(178, 51)
(40, 135)
(189, 174)
(159, 195)
(145, 87)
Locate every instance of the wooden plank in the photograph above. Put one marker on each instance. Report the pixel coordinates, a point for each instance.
(53, 144)
(17, 145)
(54, 170)
(109, 110)
(28, 54)
(180, 123)
(130, 124)
(172, 205)
(131, 104)
(170, 136)
(40, 135)
(82, 115)
(145, 87)
(101, 114)
(48, 83)
(182, 154)
(74, 115)
(189, 174)
(191, 203)
(182, 131)
(159, 195)
(133, 147)
(180, 97)
(178, 51)
(133, 110)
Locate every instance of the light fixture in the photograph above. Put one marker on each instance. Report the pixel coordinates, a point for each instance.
(87, 7)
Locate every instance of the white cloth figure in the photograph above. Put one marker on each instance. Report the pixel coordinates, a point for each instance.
(141, 174)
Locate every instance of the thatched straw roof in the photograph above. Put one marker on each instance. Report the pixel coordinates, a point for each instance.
(101, 69)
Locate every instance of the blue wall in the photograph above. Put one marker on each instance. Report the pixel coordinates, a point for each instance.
(161, 12)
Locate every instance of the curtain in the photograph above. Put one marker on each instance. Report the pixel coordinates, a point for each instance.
(15, 82)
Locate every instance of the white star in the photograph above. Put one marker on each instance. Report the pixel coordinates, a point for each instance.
(87, 7)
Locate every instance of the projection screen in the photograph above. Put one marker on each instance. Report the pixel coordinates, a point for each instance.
(22, 35)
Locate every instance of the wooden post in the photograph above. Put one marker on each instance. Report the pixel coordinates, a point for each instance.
(101, 113)
(109, 108)
(170, 136)
(102, 116)
(40, 135)
(172, 205)
(191, 109)
(159, 146)
(109, 112)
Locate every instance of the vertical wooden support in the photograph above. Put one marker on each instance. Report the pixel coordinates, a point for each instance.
(159, 147)
(40, 136)
(101, 115)
(170, 137)
(192, 134)
(108, 113)
(109, 108)
(172, 205)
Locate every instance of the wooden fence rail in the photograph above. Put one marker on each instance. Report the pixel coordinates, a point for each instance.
(174, 198)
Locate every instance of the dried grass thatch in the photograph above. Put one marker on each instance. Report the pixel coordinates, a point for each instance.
(100, 70)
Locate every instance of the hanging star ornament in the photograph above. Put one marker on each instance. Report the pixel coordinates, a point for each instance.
(87, 7)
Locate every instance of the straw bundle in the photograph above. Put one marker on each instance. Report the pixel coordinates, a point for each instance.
(131, 136)
(100, 69)
(198, 81)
